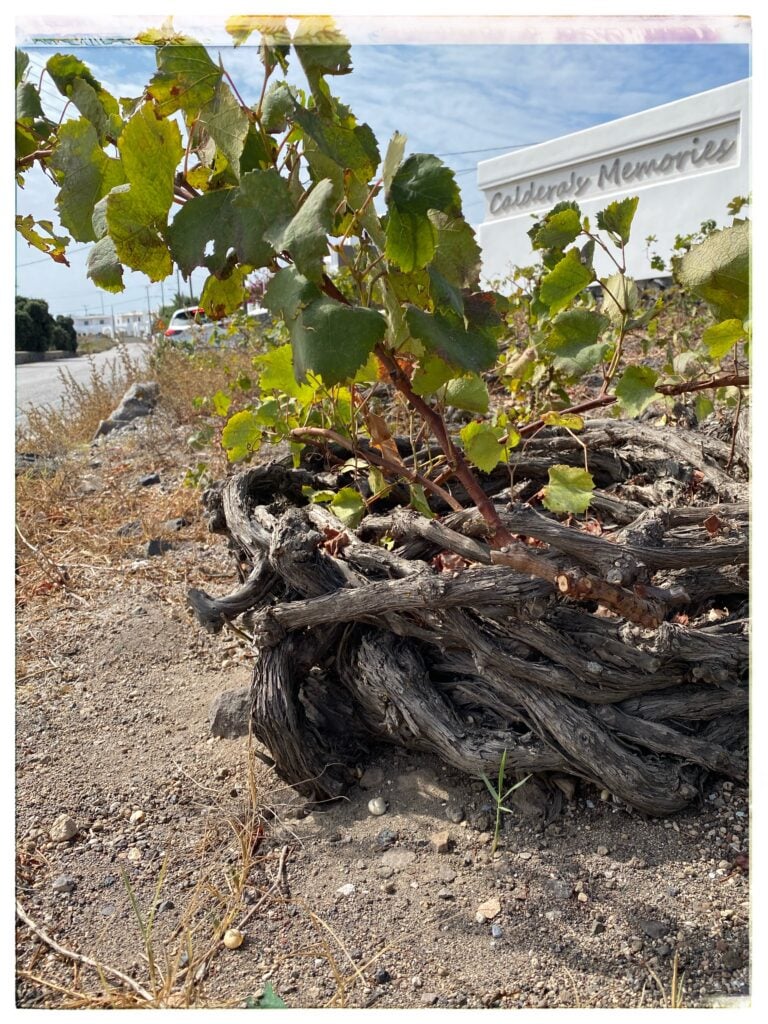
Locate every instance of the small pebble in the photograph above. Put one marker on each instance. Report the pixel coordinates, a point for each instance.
(64, 883)
(454, 813)
(440, 841)
(63, 829)
(377, 806)
(602, 851)
(346, 890)
(137, 817)
(233, 938)
(496, 931)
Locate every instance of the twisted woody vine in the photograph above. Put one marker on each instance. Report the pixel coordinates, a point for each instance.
(442, 527)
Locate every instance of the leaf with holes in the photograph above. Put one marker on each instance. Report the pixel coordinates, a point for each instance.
(222, 296)
(569, 489)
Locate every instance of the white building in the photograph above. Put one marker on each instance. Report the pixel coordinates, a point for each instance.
(132, 325)
(685, 160)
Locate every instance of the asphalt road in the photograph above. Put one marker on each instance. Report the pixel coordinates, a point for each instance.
(41, 384)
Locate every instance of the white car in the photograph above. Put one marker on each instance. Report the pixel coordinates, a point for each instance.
(194, 325)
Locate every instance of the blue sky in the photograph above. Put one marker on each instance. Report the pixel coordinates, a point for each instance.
(465, 102)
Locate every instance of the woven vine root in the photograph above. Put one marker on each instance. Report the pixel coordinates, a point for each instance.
(431, 643)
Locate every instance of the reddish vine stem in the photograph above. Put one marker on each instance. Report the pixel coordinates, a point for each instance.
(455, 458)
(594, 403)
(726, 380)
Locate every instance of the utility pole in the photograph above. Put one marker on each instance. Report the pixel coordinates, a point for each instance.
(149, 315)
(178, 283)
(114, 327)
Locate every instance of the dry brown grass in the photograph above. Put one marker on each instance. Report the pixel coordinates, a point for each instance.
(55, 430)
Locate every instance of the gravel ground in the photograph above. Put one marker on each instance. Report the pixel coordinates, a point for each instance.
(126, 804)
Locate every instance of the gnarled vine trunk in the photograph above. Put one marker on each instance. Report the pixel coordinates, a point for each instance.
(424, 643)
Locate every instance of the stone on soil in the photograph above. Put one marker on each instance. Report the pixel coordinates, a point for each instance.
(229, 714)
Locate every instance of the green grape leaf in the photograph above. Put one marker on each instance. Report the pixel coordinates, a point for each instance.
(637, 389)
(269, 1000)
(348, 506)
(458, 256)
(481, 444)
(74, 80)
(277, 375)
(393, 159)
(104, 267)
(137, 213)
(85, 174)
(620, 297)
(574, 329)
(418, 501)
(411, 239)
(704, 407)
(574, 364)
(231, 219)
(348, 144)
(717, 270)
(334, 340)
(563, 419)
(557, 230)
(186, 78)
(28, 105)
(470, 350)
(470, 393)
(22, 63)
(258, 151)
(99, 107)
(719, 339)
(222, 296)
(221, 403)
(288, 292)
(431, 374)
(569, 489)
(278, 106)
(305, 237)
(423, 183)
(564, 282)
(241, 436)
(369, 372)
(573, 340)
(26, 141)
(617, 217)
(444, 294)
(227, 124)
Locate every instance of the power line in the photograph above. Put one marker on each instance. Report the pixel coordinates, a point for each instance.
(490, 149)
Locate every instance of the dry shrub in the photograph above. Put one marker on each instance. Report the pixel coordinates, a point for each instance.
(186, 379)
(56, 429)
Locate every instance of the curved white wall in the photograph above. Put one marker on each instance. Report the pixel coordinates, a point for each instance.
(685, 160)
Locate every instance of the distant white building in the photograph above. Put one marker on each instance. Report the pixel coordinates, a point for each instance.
(685, 160)
(132, 325)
